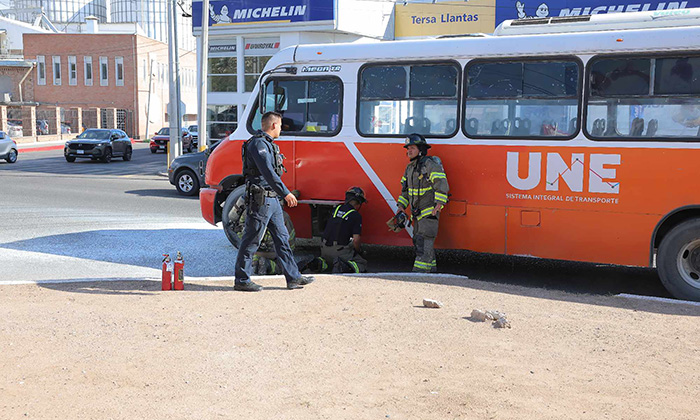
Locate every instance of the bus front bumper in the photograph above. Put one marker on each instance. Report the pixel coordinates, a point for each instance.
(207, 200)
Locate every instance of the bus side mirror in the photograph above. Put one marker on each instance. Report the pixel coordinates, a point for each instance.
(262, 95)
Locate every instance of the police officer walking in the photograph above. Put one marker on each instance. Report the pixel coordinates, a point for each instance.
(342, 236)
(262, 168)
(424, 188)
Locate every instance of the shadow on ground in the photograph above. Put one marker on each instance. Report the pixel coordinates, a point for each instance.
(117, 286)
(170, 193)
(131, 287)
(207, 252)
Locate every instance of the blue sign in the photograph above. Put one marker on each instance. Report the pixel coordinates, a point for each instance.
(528, 9)
(232, 12)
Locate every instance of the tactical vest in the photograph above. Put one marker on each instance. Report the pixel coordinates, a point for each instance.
(335, 222)
(249, 167)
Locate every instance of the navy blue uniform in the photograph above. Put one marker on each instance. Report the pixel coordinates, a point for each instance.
(263, 167)
(346, 221)
(337, 249)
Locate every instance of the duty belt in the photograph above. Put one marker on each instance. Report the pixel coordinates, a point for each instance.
(269, 193)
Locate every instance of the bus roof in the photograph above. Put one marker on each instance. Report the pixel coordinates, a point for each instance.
(597, 42)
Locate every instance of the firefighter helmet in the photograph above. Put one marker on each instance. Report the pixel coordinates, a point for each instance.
(416, 139)
(355, 193)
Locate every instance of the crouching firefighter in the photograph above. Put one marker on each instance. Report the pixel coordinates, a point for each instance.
(425, 190)
(262, 168)
(340, 249)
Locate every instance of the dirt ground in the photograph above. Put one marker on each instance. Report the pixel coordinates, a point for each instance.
(342, 348)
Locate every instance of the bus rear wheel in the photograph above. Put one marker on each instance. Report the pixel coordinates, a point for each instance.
(678, 260)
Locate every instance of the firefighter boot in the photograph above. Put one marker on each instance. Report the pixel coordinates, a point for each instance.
(342, 266)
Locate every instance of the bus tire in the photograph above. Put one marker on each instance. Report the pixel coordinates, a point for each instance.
(231, 216)
(678, 260)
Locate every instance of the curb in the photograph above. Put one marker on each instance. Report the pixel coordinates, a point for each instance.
(39, 149)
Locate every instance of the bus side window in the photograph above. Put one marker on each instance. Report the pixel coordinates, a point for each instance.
(395, 100)
(629, 91)
(526, 99)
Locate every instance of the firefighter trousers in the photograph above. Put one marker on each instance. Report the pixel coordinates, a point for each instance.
(424, 233)
(346, 253)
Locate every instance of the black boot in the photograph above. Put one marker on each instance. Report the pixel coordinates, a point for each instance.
(342, 266)
(248, 286)
(300, 282)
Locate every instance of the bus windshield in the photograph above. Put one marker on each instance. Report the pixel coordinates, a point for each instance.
(308, 106)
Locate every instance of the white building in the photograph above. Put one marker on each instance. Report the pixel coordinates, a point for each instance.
(58, 11)
(145, 17)
(244, 34)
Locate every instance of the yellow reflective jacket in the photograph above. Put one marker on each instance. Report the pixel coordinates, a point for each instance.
(423, 186)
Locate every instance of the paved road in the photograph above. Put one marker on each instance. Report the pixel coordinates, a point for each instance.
(89, 220)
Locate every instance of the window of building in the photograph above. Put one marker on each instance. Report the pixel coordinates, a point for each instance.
(104, 72)
(253, 69)
(222, 120)
(40, 70)
(56, 70)
(222, 74)
(88, 70)
(395, 100)
(119, 70)
(72, 70)
(524, 99)
(308, 106)
(644, 98)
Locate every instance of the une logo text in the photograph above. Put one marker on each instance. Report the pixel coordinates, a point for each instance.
(601, 170)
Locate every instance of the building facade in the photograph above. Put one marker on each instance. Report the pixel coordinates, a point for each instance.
(124, 77)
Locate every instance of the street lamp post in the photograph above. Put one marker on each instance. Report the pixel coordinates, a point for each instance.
(174, 82)
(204, 76)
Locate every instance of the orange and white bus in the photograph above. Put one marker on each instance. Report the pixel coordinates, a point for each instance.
(574, 138)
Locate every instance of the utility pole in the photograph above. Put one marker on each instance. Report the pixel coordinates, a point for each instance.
(174, 116)
(150, 88)
(204, 78)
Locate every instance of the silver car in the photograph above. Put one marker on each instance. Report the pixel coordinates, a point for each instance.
(8, 148)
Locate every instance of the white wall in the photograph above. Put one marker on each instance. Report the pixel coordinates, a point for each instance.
(374, 19)
(15, 29)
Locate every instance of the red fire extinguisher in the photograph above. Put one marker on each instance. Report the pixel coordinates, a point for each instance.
(166, 275)
(179, 273)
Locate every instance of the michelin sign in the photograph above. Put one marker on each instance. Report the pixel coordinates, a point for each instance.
(242, 12)
(529, 9)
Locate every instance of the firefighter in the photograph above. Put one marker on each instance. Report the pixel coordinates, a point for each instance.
(340, 249)
(425, 190)
(262, 168)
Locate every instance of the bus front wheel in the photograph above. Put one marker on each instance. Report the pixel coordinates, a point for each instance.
(678, 260)
(233, 215)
